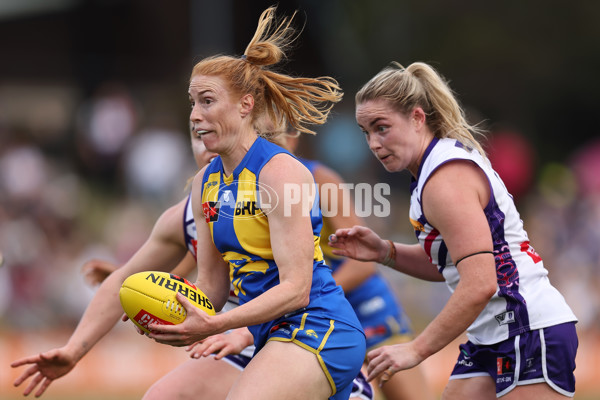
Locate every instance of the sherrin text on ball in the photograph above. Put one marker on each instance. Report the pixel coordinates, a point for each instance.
(149, 297)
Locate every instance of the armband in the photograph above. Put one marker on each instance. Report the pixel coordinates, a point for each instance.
(473, 254)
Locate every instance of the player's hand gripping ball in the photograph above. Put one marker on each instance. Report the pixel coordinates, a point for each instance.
(149, 297)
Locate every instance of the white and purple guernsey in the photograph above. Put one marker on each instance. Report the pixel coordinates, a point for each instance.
(525, 299)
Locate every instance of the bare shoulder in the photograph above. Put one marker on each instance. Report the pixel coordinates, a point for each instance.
(456, 176)
(283, 168)
(455, 190)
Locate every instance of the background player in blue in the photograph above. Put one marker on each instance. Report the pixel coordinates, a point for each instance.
(309, 342)
(522, 338)
(374, 302)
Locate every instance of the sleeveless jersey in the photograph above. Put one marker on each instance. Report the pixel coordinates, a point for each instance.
(191, 240)
(239, 227)
(525, 299)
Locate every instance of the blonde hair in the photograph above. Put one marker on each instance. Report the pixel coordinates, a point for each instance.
(298, 100)
(419, 85)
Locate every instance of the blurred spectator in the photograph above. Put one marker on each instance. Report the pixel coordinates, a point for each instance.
(105, 123)
(163, 177)
(513, 158)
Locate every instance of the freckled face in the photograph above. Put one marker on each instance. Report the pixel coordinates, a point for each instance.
(215, 113)
(391, 136)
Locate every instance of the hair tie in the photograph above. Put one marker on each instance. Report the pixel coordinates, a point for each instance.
(244, 57)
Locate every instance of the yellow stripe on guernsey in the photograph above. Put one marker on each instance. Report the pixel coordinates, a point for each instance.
(253, 231)
(324, 241)
(242, 215)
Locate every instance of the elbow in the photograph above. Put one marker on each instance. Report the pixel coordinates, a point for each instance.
(485, 292)
(300, 300)
(303, 300)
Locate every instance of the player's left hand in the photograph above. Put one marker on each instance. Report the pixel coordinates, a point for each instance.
(387, 360)
(197, 326)
(222, 344)
(96, 271)
(43, 369)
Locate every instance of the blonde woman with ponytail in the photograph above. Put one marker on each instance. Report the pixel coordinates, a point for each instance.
(252, 234)
(521, 333)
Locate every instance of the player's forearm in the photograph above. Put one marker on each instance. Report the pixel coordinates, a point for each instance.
(272, 304)
(412, 260)
(103, 312)
(463, 307)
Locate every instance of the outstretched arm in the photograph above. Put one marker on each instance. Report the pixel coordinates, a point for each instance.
(453, 200)
(162, 251)
(361, 243)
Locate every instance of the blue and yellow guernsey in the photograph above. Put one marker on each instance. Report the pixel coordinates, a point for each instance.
(239, 227)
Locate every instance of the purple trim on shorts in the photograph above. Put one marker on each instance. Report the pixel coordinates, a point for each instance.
(237, 360)
(361, 388)
(544, 355)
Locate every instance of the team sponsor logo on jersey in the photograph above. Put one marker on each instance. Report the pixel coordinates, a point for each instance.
(505, 318)
(249, 199)
(246, 208)
(211, 211)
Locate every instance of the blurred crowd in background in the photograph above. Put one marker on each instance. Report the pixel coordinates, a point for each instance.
(88, 161)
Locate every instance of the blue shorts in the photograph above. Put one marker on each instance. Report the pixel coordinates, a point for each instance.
(340, 348)
(361, 388)
(544, 355)
(379, 312)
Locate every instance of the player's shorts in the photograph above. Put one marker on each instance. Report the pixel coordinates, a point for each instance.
(340, 348)
(543, 355)
(237, 360)
(361, 388)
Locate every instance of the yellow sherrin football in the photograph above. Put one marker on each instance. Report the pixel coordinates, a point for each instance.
(149, 297)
